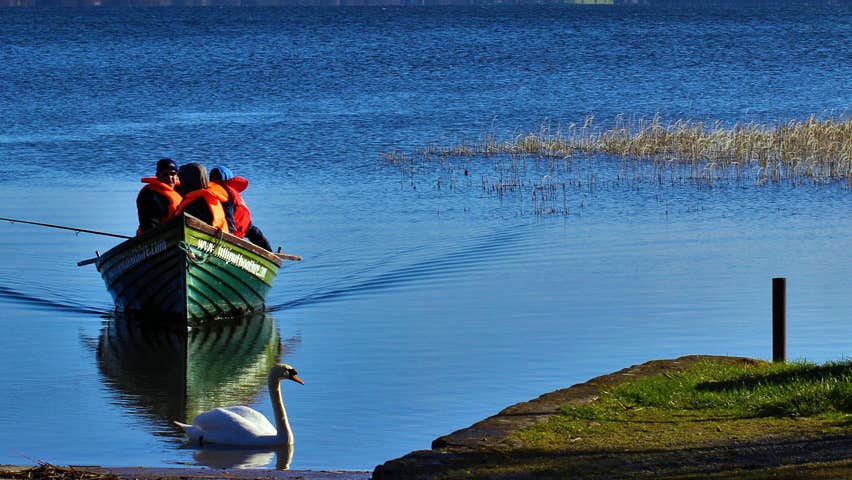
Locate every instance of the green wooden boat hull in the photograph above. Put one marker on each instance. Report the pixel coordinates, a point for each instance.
(190, 270)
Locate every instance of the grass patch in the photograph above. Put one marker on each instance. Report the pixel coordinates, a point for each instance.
(793, 389)
(707, 403)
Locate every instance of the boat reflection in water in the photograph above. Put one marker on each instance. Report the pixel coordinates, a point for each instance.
(165, 372)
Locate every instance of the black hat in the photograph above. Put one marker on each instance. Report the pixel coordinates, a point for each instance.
(166, 164)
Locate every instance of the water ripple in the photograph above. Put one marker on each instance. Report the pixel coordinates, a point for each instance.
(447, 264)
(15, 296)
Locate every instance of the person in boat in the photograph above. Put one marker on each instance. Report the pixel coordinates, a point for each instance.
(158, 200)
(236, 211)
(199, 199)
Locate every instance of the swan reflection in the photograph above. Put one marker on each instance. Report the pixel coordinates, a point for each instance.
(163, 373)
(226, 457)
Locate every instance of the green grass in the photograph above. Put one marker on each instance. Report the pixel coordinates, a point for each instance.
(706, 403)
(795, 389)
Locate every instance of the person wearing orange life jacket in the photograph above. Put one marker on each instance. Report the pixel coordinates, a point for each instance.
(236, 210)
(158, 200)
(199, 199)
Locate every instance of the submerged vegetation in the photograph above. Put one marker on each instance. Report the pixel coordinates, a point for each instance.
(547, 166)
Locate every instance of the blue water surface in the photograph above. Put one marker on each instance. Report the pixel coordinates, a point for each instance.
(424, 302)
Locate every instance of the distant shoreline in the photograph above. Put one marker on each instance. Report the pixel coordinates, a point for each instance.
(304, 3)
(338, 3)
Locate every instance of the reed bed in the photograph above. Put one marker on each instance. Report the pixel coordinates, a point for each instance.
(543, 167)
(821, 149)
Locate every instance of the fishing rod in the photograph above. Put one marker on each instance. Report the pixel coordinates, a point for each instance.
(63, 227)
(285, 256)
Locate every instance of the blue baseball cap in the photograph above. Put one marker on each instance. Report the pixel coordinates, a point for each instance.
(220, 171)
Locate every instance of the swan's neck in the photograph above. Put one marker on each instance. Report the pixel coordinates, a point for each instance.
(282, 425)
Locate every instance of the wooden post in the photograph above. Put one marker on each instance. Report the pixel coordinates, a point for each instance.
(779, 319)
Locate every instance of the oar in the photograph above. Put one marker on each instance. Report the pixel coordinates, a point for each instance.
(73, 229)
(287, 256)
(89, 261)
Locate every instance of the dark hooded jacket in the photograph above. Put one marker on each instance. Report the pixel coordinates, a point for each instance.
(206, 207)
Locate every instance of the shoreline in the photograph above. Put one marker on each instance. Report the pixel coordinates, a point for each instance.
(92, 472)
(487, 449)
(491, 433)
(490, 439)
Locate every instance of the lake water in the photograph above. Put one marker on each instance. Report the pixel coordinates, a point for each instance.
(417, 310)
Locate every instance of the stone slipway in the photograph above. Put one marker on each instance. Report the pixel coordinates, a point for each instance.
(463, 446)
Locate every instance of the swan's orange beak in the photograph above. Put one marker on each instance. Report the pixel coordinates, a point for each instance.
(296, 379)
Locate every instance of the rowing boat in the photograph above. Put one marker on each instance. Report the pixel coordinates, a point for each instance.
(189, 270)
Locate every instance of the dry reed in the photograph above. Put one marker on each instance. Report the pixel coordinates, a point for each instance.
(651, 149)
(821, 149)
(46, 471)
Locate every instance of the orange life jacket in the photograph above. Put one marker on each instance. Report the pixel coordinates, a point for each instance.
(242, 215)
(213, 196)
(173, 197)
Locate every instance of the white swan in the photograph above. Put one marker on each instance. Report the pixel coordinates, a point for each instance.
(241, 425)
